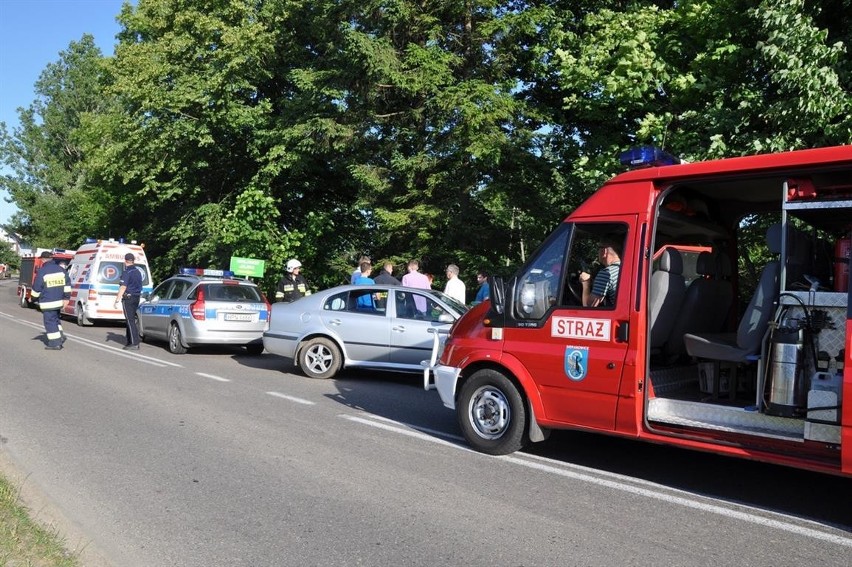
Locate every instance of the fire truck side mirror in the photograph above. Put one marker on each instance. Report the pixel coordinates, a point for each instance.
(497, 293)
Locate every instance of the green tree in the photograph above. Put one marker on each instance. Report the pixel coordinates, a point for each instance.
(50, 182)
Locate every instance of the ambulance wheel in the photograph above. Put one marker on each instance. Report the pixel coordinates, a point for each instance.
(320, 358)
(492, 414)
(82, 320)
(175, 344)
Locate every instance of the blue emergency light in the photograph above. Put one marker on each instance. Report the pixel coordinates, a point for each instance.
(206, 272)
(646, 156)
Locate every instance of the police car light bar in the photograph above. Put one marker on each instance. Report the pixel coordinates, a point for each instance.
(646, 156)
(206, 272)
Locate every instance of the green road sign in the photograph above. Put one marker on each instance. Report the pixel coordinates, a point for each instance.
(251, 267)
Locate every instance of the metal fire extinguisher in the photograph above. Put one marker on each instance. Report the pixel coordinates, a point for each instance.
(841, 263)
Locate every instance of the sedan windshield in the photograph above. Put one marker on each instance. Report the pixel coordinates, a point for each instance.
(459, 308)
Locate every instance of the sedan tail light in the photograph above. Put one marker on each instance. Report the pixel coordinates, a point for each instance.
(197, 307)
(268, 308)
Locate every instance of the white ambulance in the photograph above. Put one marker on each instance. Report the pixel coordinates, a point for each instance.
(95, 272)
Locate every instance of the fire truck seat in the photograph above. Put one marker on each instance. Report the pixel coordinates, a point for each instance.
(705, 306)
(739, 346)
(665, 296)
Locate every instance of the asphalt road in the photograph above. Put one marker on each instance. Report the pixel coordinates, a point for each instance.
(219, 458)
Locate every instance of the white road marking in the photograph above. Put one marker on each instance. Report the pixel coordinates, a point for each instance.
(213, 377)
(292, 398)
(417, 427)
(134, 355)
(752, 518)
(624, 484)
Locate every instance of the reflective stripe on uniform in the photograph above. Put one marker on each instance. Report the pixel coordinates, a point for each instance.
(47, 305)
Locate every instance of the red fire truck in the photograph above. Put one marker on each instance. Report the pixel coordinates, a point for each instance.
(30, 265)
(602, 331)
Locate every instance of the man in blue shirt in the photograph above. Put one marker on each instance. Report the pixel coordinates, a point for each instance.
(484, 289)
(129, 293)
(365, 301)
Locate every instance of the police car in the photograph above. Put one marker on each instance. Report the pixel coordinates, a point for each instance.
(204, 307)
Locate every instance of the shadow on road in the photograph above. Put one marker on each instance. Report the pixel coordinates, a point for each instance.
(400, 397)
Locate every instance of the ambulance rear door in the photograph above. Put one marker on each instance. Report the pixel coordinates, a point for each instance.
(576, 353)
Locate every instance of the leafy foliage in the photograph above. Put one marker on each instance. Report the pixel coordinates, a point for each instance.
(445, 131)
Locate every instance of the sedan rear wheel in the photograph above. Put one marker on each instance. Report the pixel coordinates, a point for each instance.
(320, 358)
(175, 344)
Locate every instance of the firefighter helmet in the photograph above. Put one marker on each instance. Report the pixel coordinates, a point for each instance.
(293, 264)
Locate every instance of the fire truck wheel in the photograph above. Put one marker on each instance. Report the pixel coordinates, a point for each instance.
(320, 358)
(175, 344)
(492, 414)
(82, 320)
(24, 302)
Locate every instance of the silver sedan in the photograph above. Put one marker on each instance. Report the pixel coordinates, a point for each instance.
(369, 326)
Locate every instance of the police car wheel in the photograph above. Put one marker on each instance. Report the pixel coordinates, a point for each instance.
(320, 358)
(139, 328)
(492, 413)
(175, 338)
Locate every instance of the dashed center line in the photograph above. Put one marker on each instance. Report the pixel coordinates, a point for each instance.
(292, 398)
(212, 377)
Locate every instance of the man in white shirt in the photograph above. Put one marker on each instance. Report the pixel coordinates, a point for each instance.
(455, 287)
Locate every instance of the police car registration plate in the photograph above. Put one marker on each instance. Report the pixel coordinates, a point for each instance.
(238, 316)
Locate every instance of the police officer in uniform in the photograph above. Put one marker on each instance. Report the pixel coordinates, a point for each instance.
(52, 289)
(293, 285)
(129, 293)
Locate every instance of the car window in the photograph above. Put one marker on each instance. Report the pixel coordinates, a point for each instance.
(336, 302)
(162, 289)
(411, 305)
(178, 290)
(366, 301)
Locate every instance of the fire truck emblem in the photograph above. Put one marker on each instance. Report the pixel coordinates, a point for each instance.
(576, 362)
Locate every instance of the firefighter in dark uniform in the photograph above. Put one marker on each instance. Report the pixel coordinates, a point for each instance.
(52, 289)
(129, 294)
(293, 285)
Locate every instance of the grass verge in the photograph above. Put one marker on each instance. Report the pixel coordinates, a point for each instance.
(23, 541)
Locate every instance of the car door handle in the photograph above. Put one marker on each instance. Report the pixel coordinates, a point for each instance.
(335, 322)
(398, 328)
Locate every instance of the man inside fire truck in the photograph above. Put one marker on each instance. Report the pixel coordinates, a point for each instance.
(602, 291)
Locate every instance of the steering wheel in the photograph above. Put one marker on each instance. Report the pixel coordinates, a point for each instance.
(573, 282)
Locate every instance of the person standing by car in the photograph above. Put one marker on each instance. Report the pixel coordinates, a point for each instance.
(484, 289)
(365, 301)
(357, 272)
(129, 293)
(414, 278)
(52, 289)
(455, 288)
(386, 276)
(293, 284)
